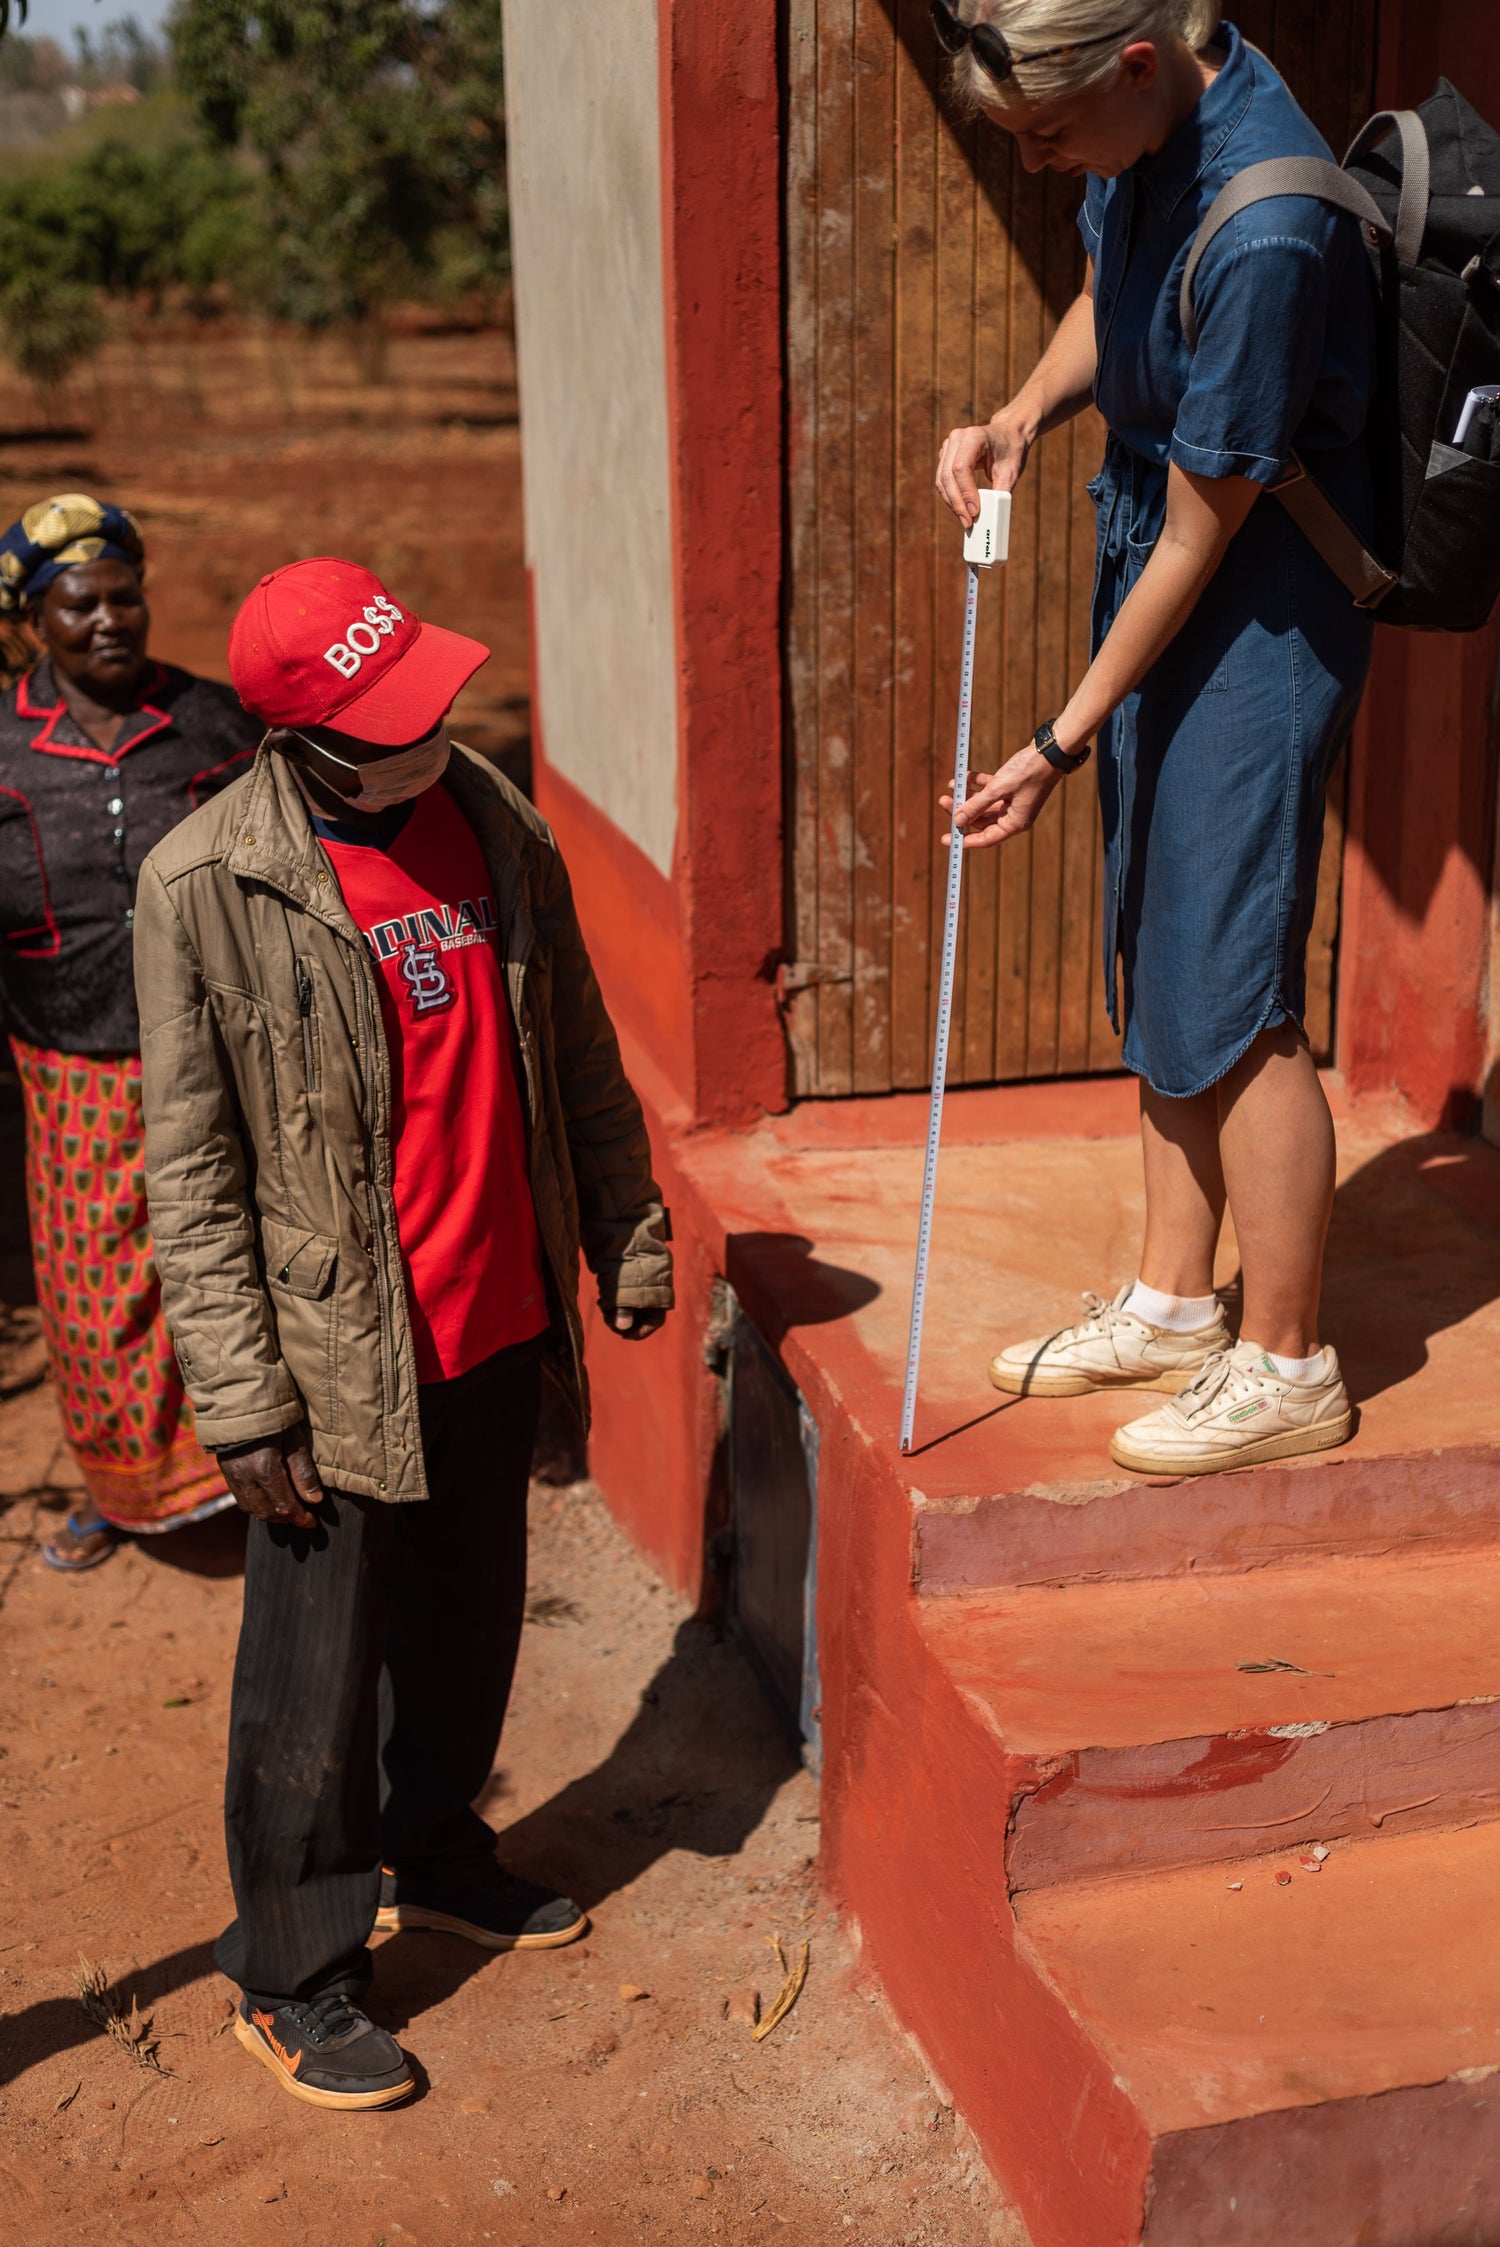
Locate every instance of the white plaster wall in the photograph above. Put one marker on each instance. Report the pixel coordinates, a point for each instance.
(585, 192)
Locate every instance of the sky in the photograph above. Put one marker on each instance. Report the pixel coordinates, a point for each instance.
(55, 19)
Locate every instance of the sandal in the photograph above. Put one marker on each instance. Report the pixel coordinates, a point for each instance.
(87, 1554)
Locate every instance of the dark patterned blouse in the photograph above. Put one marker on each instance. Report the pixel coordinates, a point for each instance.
(75, 823)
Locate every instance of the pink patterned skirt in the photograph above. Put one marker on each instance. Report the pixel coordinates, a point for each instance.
(118, 1386)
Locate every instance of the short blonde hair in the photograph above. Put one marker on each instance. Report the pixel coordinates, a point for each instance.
(1094, 32)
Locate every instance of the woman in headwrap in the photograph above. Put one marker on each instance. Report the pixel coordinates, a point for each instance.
(102, 752)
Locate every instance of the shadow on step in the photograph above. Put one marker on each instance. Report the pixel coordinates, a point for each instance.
(1414, 1250)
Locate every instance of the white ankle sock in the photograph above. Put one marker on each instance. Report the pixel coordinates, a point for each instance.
(1179, 1314)
(1296, 1369)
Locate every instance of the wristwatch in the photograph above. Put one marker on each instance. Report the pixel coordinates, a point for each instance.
(1045, 739)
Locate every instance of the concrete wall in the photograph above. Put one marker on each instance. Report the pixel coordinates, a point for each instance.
(585, 188)
(645, 176)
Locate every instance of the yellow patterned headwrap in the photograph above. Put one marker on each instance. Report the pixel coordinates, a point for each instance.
(58, 533)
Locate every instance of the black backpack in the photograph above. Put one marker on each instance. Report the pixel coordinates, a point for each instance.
(1431, 216)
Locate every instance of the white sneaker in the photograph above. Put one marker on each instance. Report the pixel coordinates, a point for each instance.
(1110, 1349)
(1238, 1412)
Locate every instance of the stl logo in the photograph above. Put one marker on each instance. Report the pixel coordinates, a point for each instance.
(426, 978)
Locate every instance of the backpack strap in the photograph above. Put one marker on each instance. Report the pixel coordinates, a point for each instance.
(1279, 175)
(1325, 528)
(1416, 174)
(1331, 535)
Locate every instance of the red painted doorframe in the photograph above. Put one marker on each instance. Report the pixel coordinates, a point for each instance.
(1419, 859)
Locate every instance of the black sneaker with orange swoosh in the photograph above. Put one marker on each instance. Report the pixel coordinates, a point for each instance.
(326, 2051)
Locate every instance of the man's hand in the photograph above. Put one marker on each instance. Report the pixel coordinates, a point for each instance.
(1004, 803)
(276, 1480)
(636, 1325)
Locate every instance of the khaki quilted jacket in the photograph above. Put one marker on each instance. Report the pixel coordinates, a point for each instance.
(268, 1103)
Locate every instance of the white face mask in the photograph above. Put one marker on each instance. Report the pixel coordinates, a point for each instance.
(394, 780)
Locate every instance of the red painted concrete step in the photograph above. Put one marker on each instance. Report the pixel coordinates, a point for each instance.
(1317, 2064)
(973, 1527)
(1143, 1724)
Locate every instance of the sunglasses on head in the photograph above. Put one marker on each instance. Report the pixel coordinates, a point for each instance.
(993, 49)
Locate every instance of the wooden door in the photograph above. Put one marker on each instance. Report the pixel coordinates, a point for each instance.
(925, 273)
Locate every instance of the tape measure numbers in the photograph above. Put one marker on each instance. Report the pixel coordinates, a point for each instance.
(987, 543)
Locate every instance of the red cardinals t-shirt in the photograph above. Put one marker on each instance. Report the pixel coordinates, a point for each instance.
(422, 901)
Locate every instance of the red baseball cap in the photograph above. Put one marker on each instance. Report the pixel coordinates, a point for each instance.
(322, 643)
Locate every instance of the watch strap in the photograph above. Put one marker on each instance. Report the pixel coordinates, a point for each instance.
(1045, 739)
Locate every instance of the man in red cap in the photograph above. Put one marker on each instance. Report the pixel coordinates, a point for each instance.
(385, 1112)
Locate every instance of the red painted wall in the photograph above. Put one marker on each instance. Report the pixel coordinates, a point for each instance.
(656, 1404)
(721, 249)
(1419, 864)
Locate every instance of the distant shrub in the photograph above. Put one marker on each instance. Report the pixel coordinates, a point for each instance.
(49, 326)
(124, 217)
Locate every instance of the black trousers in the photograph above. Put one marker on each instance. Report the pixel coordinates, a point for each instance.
(375, 1662)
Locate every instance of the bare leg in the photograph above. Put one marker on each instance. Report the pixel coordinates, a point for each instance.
(1184, 1192)
(1276, 1144)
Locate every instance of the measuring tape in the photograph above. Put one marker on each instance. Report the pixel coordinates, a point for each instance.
(987, 543)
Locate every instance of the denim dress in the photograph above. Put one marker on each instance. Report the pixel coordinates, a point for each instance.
(1212, 773)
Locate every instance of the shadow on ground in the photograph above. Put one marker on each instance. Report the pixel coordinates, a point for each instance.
(57, 2024)
(696, 1769)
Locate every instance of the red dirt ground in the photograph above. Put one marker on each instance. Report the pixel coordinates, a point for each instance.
(640, 1766)
(242, 446)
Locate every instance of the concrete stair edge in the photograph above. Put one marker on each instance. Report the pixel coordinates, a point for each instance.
(1123, 1528)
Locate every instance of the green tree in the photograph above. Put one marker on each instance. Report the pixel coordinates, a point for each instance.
(376, 132)
(49, 327)
(126, 218)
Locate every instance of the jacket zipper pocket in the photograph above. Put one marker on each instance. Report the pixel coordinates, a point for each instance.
(304, 1010)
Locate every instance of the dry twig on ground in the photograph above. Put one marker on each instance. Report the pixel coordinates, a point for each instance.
(790, 1991)
(131, 2031)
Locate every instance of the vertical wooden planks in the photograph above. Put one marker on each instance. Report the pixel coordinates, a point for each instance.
(916, 749)
(1054, 678)
(873, 487)
(955, 380)
(1025, 599)
(803, 667)
(990, 876)
(832, 953)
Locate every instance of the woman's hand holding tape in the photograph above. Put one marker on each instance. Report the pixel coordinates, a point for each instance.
(1004, 803)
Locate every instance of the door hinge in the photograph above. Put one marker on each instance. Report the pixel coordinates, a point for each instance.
(800, 975)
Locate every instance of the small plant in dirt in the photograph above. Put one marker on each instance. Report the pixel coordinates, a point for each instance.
(131, 2031)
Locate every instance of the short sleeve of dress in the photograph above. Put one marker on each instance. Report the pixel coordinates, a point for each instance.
(1262, 308)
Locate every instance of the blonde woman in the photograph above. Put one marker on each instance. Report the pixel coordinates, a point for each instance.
(1227, 666)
